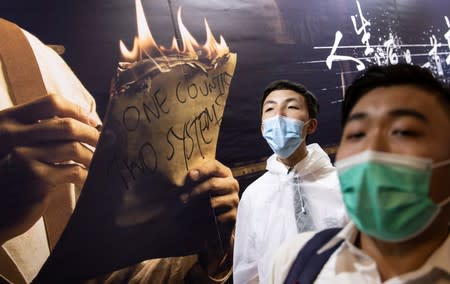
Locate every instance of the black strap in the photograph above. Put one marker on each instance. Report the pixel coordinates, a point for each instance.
(309, 263)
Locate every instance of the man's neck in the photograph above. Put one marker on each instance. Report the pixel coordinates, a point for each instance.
(296, 157)
(394, 259)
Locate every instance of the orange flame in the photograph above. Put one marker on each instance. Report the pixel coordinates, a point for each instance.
(144, 43)
(214, 49)
(189, 42)
(127, 54)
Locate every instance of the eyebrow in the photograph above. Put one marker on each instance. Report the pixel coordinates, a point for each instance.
(394, 113)
(269, 102)
(408, 112)
(357, 116)
(274, 102)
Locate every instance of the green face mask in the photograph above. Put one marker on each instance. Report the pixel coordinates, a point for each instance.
(386, 195)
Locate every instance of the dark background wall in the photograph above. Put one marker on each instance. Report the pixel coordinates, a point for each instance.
(289, 39)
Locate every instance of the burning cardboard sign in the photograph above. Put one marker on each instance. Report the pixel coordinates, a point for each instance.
(169, 102)
(163, 119)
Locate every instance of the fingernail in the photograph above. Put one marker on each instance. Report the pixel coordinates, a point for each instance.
(195, 175)
(99, 127)
(92, 119)
(89, 117)
(184, 198)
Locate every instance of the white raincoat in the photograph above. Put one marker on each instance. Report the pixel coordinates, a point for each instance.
(266, 215)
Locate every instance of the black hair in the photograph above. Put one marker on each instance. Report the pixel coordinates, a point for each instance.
(311, 100)
(393, 75)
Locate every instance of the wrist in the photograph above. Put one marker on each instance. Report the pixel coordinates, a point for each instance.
(217, 264)
(222, 270)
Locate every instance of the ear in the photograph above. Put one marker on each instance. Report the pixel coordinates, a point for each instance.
(262, 128)
(311, 126)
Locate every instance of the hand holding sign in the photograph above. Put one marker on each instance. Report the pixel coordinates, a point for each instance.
(224, 189)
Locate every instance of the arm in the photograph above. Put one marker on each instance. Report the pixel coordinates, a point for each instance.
(245, 266)
(37, 140)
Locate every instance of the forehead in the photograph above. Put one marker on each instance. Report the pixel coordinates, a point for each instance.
(380, 101)
(278, 96)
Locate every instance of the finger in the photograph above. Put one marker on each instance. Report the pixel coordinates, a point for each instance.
(48, 107)
(228, 217)
(25, 170)
(52, 175)
(58, 153)
(224, 203)
(208, 169)
(7, 129)
(55, 129)
(217, 186)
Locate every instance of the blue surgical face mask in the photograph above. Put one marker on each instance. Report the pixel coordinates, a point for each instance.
(283, 134)
(387, 195)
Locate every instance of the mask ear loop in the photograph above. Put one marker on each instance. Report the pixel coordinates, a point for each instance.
(440, 164)
(444, 202)
(303, 127)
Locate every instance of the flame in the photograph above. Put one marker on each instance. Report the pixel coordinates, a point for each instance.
(174, 46)
(127, 54)
(145, 45)
(189, 42)
(223, 47)
(146, 42)
(211, 43)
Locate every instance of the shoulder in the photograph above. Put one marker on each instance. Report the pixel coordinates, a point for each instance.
(286, 254)
(46, 57)
(316, 162)
(257, 197)
(288, 251)
(260, 189)
(328, 177)
(58, 77)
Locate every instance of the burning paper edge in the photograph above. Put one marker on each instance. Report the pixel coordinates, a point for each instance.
(145, 45)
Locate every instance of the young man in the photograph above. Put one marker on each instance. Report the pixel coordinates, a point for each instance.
(393, 166)
(298, 193)
(38, 137)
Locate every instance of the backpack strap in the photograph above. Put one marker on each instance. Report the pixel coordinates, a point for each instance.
(20, 67)
(25, 83)
(309, 263)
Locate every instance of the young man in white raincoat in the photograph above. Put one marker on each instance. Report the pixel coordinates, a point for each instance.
(298, 193)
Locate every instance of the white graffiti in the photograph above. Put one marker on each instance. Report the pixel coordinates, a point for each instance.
(333, 57)
(434, 56)
(386, 54)
(364, 24)
(447, 37)
(388, 51)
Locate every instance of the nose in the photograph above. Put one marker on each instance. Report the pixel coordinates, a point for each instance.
(378, 141)
(281, 111)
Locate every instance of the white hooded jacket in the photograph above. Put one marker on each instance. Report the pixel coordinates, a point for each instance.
(266, 215)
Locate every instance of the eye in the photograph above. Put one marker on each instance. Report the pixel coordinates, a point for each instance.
(354, 135)
(268, 109)
(405, 133)
(293, 107)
